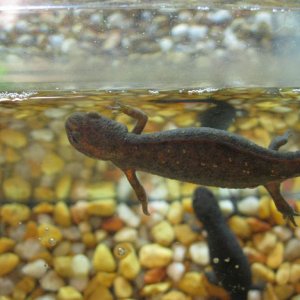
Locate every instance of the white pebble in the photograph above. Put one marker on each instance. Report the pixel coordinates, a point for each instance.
(35, 269)
(154, 218)
(79, 284)
(44, 134)
(28, 249)
(180, 30)
(124, 189)
(115, 20)
(228, 193)
(254, 295)
(128, 216)
(126, 234)
(175, 270)
(179, 252)
(226, 207)
(6, 286)
(80, 265)
(56, 40)
(283, 233)
(55, 113)
(231, 41)
(161, 207)
(69, 45)
(199, 253)
(46, 297)
(71, 233)
(196, 32)
(219, 16)
(159, 192)
(263, 17)
(249, 206)
(77, 248)
(165, 44)
(51, 282)
(96, 19)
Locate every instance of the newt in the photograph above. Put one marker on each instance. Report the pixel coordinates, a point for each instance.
(201, 155)
(231, 268)
(220, 116)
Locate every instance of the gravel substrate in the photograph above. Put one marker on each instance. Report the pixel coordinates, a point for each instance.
(101, 250)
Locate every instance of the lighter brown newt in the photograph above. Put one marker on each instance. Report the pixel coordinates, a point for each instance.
(201, 155)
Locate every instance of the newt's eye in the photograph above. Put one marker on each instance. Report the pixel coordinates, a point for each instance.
(75, 136)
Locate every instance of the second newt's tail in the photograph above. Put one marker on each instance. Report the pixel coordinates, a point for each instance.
(229, 263)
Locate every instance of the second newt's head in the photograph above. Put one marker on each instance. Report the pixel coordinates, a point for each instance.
(94, 135)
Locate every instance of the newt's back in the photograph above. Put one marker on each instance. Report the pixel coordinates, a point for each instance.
(206, 156)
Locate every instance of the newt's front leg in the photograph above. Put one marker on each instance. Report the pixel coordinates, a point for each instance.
(136, 114)
(138, 188)
(142, 119)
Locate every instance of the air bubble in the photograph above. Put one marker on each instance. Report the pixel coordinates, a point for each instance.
(121, 250)
(52, 241)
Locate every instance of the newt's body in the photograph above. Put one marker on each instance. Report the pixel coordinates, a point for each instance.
(204, 156)
(230, 265)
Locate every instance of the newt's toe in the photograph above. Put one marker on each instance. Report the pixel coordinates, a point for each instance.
(291, 216)
(145, 209)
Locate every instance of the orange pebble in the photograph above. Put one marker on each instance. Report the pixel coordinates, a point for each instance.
(112, 224)
(154, 275)
(257, 225)
(43, 208)
(31, 231)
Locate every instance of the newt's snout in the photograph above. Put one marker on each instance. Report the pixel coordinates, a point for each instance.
(74, 125)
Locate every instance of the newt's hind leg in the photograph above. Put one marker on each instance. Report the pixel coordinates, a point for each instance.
(280, 203)
(279, 141)
(138, 188)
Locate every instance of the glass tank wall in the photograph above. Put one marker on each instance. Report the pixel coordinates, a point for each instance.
(71, 226)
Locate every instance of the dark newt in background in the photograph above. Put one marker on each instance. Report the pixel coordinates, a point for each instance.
(230, 265)
(205, 156)
(220, 116)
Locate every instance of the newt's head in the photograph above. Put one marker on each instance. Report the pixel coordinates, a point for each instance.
(94, 135)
